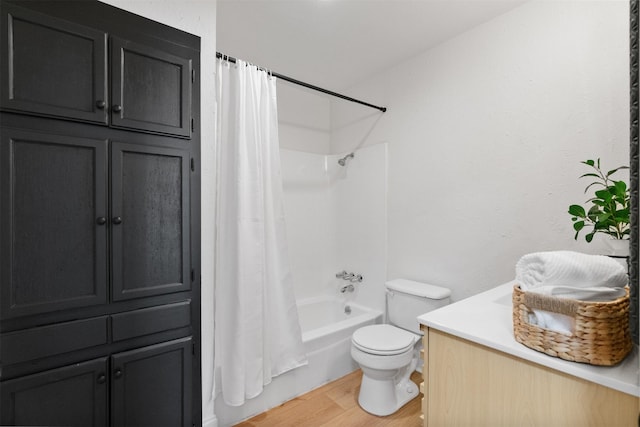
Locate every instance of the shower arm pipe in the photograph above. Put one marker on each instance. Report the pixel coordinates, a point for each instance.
(309, 86)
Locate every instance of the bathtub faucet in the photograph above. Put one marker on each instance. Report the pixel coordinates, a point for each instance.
(347, 288)
(352, 277)
(343, 275)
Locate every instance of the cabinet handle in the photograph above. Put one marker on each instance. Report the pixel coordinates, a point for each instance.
(117, 220)
(102, 378)
(116, 108)
(117, 373)
(100, 105)
(101, 220)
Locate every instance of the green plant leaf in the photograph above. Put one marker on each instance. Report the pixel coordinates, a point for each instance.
(604, 195)
(612, 171)
(621, 187)
(621, 216)
(577, 210)
(592, 184)
(594, 210)
(589, 237)
(604, 217)
(600, 226)
(590, 174)
(578, 225)
(589, 162)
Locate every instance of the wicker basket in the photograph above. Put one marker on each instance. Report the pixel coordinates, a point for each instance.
(601, 335)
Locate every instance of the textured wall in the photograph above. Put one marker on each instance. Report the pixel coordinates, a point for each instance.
(485, 134)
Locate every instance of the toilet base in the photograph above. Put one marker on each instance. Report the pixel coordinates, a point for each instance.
(384, 397)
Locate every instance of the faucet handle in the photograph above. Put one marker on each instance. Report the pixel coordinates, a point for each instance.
(341, 275)
(356, 278)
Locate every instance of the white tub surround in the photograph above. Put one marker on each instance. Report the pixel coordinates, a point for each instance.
(477, 374)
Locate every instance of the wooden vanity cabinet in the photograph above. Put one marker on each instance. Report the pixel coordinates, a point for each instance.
(469, 384)
(99, 218)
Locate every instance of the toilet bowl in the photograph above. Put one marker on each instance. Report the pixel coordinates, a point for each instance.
(389, 353)
(386, 355)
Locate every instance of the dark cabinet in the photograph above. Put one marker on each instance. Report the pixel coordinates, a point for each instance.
(53, 242)
(57, 68)
(56, 241)
(53, 67)
(150, 89)
(150, 220)
(151, 386)
(73, 395)
(99, 218)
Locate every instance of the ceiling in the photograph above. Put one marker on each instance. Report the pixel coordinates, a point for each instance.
(329, 43)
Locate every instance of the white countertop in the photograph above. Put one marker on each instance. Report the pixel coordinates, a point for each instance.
(486, 319)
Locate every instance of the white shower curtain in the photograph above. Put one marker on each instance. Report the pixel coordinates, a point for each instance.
(257, 333)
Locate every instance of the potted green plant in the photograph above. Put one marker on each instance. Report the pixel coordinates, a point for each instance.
(608, 209)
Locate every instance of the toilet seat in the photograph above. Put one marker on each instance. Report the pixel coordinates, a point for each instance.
(383, 340)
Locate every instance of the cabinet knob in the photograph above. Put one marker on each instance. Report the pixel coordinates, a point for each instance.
(101, 378)
(118, 373)
(117, 220)
(101, 220)
(100, 104)
(116, 108)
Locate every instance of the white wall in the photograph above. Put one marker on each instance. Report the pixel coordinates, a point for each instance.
(199, 18)
(486, 132)
(304, 119)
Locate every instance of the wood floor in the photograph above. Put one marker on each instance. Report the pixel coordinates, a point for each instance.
(336, 405)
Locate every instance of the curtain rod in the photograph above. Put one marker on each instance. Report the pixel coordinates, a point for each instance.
(309, 86)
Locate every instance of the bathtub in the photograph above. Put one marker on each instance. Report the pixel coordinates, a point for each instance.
(326, 334)
(325, 321)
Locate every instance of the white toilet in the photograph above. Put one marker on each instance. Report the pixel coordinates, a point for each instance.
(389, 353)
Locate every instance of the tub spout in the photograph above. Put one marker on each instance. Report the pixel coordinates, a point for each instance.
(347, 288)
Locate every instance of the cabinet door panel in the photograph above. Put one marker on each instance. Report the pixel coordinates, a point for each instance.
(151, 89)
(150, 196)
(152, 386)
(55, 68)
(71, 396)
(53, 249)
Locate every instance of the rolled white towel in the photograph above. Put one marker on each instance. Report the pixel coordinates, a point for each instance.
(595, 293)
(570, 271)
(567, 274)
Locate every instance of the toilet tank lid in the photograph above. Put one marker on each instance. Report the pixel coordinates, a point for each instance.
(418, 289)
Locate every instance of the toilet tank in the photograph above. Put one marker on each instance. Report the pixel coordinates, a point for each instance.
(406, 300)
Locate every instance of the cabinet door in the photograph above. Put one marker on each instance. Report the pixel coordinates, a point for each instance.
(52, 222)
(150, 221)
(52, 67)
(74, 395)
(151, 89)
(151, 386)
